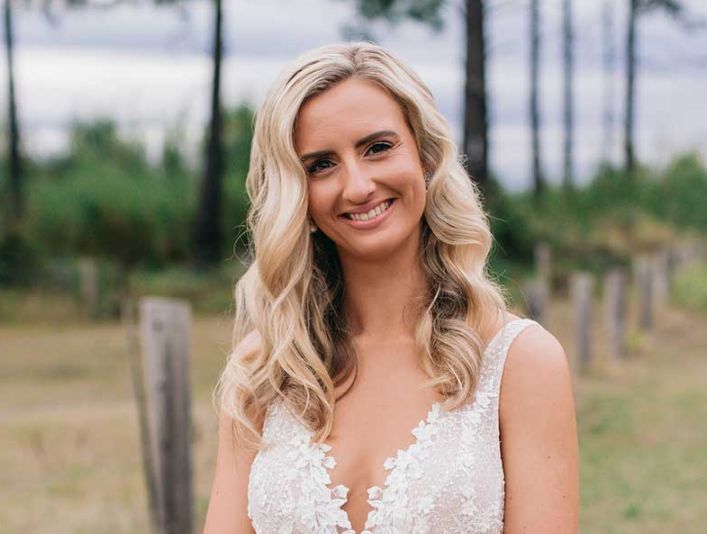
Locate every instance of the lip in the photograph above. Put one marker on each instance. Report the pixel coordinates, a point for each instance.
(368, 206)
(375, 221)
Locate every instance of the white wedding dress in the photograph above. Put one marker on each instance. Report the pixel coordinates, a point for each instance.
(450, 480)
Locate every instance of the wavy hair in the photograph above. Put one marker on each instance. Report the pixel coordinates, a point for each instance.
(291, 338)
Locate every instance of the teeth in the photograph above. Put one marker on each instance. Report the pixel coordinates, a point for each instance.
(372, 213)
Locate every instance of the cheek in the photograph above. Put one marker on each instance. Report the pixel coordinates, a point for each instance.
(319, 199)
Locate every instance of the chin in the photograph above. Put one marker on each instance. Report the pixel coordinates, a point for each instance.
(378, 247)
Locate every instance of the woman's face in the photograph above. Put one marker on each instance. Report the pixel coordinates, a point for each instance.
(366, 185)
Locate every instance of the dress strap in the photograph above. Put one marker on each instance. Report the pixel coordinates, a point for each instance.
(499, 347)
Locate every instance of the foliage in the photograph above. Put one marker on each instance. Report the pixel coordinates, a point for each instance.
(690, 287)
(680, 196)
(20, 259)
(104, 199)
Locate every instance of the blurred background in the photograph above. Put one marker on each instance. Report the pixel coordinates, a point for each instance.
(124, 145)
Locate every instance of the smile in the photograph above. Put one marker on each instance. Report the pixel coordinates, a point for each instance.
(370, 218)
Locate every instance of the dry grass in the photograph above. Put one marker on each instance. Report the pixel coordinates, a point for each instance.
(70, 459)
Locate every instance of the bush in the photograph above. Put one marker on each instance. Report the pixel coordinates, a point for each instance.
(104, 200)
(20, 259)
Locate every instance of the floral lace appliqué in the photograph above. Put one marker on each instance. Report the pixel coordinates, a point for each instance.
(449, 480)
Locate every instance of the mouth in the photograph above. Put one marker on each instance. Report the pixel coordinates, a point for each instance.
(372, 218)
(371, 214)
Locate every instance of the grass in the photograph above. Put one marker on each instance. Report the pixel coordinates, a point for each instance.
(70, 460)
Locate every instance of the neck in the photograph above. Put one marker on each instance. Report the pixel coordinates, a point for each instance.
(381, 294)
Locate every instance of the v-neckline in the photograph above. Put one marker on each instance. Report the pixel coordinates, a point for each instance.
(375, 493)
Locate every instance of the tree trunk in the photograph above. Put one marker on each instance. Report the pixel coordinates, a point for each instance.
(475, 109)
(16, 207)
(208, 232)
(568, 64)
(629, 155)
(609, 56)
(538, 179)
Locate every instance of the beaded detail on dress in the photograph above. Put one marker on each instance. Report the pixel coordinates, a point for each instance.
(449, 480)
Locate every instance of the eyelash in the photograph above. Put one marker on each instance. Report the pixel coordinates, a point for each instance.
(313, 170)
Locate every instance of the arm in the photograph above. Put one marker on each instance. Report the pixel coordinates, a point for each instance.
(227, 512)
(539, 437)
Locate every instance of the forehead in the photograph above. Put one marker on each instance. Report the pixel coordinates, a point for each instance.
(350, 108)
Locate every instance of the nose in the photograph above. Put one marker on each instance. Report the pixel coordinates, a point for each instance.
(357, 183)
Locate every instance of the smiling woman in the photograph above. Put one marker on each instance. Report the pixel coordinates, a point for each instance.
(368, 312)
(365, 190)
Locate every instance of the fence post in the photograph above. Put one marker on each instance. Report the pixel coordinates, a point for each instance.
(581, 293)
(615, 312)
(543, 265)
(643, 282)
(164, 335)
(661, 281)
(88, 282)
(536, 299)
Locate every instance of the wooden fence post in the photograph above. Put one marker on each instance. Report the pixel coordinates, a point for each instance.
(536, 299)
(661, 281)
(615, 312)
(643, 283)
(581, 292)
(88, 283)
(164, 335)
(543, 266)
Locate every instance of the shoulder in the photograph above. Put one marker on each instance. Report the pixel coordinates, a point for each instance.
(535, 356)
(538, 433)
(536, 370)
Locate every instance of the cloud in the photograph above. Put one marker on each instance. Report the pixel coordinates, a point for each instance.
(148, 67)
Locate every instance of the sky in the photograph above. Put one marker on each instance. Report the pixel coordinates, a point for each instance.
(149, 68)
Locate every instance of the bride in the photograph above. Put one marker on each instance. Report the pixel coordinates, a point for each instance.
(378, 382)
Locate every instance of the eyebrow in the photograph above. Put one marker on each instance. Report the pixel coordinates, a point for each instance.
(359, 143)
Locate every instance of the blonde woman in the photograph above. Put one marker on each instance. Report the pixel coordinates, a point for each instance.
(378, 383)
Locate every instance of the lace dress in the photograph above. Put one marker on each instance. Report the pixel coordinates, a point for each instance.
(450, 480)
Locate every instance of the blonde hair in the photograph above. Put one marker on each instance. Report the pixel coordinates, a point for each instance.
(292, 338)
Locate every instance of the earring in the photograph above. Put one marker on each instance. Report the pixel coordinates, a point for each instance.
(312, 227)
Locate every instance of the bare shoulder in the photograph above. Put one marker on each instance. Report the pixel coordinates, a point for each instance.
(539, 441)
(227, 511)
(536, 370)
(535, 350)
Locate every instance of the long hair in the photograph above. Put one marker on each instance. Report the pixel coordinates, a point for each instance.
(291, 338)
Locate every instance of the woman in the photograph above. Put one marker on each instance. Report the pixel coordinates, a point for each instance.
(368, 312)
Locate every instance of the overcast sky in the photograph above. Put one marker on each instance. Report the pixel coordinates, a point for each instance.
(149, 68)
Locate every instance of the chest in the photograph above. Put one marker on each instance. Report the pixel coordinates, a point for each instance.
(384, 468)
(372, 422)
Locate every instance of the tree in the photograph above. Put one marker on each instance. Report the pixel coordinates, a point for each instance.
(15, 182)
(207, 236)
(568, 96)
(475, 142)
(638, 8)
(609, 59)
(538, 176)
(208, 233)
(475, 98)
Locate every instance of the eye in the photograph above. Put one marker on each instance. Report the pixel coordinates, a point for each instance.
(315, 167)
(377, 148)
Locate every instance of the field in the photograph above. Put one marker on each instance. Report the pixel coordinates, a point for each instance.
(70, 459)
